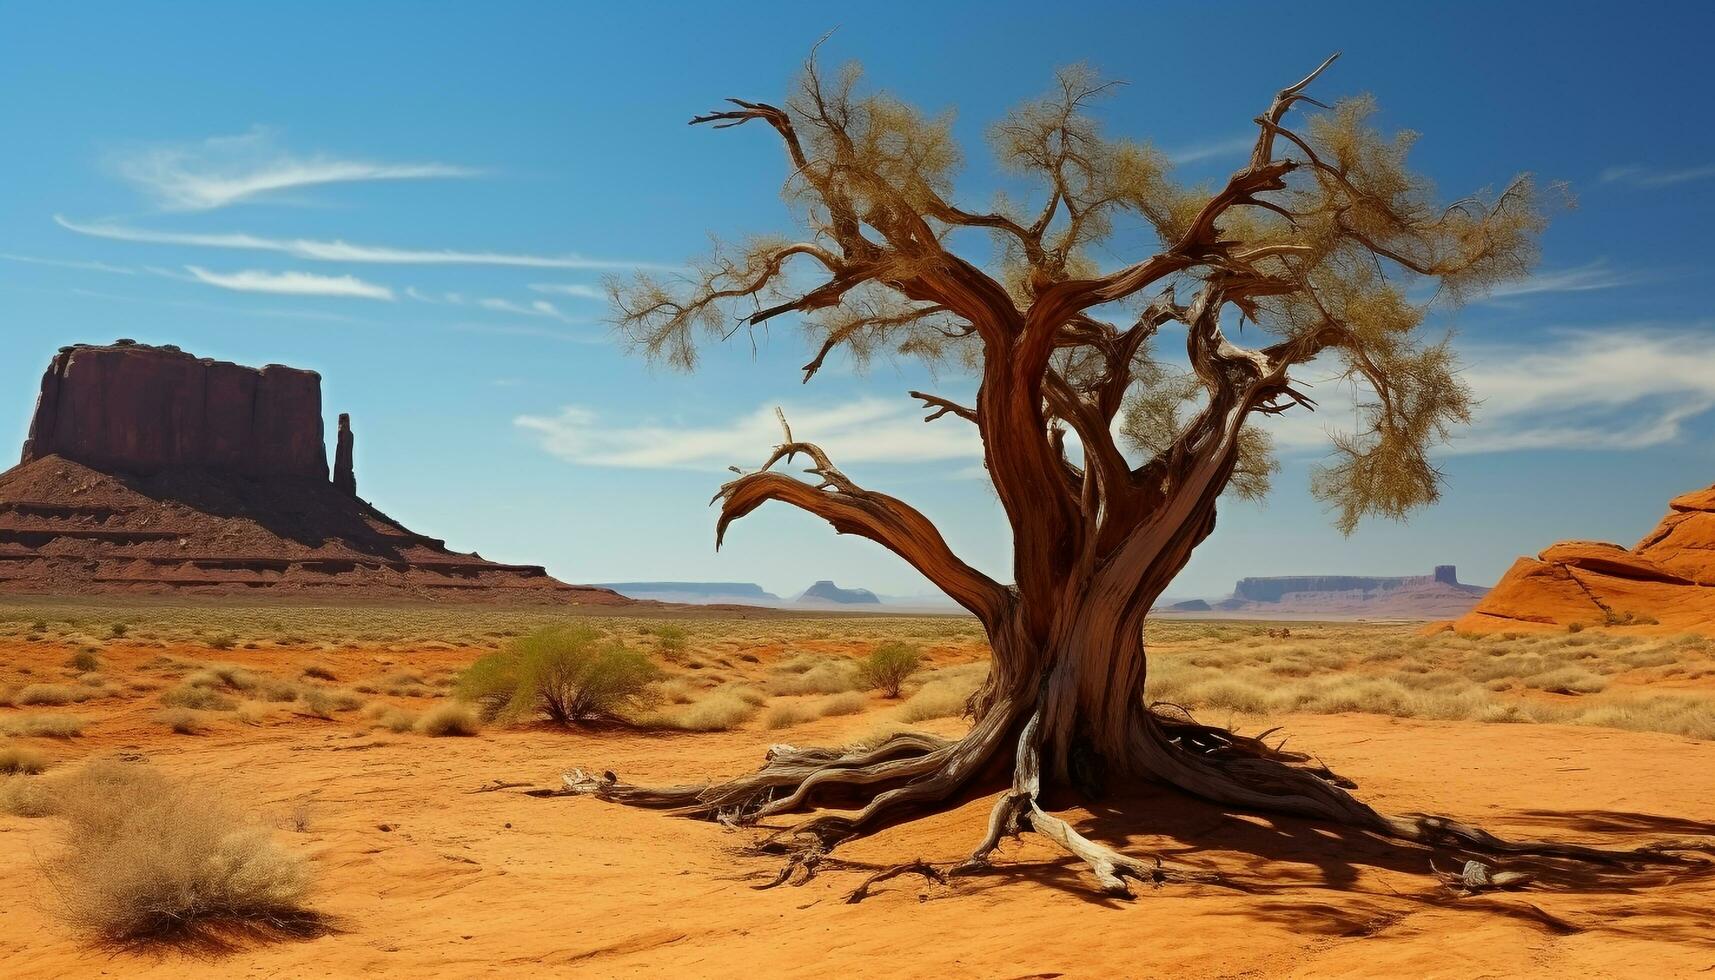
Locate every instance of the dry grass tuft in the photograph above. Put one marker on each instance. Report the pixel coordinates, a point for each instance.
(182, 721)
(57, 695)
(720, 711)
(21, 760)
(944, 693)
(449, 718)
(43, 726)
(147, 858)
(788, 714)
(25, 796)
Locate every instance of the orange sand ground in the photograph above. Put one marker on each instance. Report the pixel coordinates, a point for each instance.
(429, 876)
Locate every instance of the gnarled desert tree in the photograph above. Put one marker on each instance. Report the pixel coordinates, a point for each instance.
(1108, 463)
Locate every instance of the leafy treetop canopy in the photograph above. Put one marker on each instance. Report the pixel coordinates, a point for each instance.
(1316, 244)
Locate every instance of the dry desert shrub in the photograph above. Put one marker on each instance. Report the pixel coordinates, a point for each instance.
(24, 796)
(719, 711)
(849, 703)
(182, 721)
(149, 858)
(325, 702)
(21, 760)
(788, 714)
(196, 697)
(944, 694)
(450, 718)
(569, 674)
(43, 726)
(816, 675)
(391, 718)
(56, 695)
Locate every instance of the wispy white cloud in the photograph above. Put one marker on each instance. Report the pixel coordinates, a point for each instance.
(1232, 146)
(861, 431)
(1639, 175)
(577, 289)
(1623, 388)
(225, 170)
(290, 283)
(89, 266)
(1593, 275)
(540, 307)
(495, 304)
(339, 251)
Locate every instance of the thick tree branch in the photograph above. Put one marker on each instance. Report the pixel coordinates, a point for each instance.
(887, 521)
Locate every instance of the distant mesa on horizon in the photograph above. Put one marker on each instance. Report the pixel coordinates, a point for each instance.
(149, 470)
(1437, 595)
(825, 591)
(1666, 582)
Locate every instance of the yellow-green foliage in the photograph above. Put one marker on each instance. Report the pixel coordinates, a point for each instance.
(888, 667)
(568, 674)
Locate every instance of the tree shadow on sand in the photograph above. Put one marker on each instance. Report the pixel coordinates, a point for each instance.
(1280, 869)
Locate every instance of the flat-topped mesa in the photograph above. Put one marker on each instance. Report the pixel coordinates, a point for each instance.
(133, 408)
(1273, 588)
(149, 471)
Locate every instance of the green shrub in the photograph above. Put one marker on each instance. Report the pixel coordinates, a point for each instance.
(569, 674)
(84, 660)
(119, 629)
(889, 665)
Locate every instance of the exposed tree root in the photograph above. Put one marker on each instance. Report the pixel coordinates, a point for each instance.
(917, 867)
(907, 774)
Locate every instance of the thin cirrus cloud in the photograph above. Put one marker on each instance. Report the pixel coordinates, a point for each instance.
(80, 264)
(226, 170)
(290, 283)
(1592, 275)
(1638, 175)
(338, 251)
(866, 430)
(537, 307)
(1621, 388)
(1211, 149)
(575, 289)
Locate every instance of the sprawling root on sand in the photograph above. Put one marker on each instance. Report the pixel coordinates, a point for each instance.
(909, 773)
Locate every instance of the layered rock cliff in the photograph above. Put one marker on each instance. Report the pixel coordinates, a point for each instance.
(1667, 580)
(132, 408)
(152, 471)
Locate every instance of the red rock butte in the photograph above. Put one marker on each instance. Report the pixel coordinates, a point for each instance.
(151, 471)
(1667, 580)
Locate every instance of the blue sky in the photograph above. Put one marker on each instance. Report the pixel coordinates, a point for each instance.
(418, 200)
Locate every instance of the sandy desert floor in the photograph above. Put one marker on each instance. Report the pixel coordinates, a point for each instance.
(426, 869)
